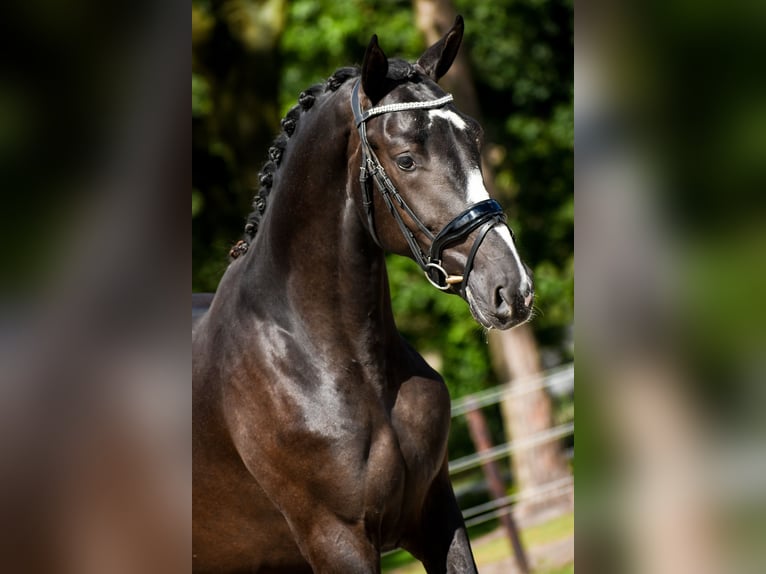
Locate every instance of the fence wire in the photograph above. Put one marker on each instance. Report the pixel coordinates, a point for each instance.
(558, 378)
(560, 381)
(508, 448)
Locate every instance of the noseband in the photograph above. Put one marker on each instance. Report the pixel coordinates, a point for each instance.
(485, 214)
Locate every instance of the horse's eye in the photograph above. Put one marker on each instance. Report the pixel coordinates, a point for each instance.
(405, 163)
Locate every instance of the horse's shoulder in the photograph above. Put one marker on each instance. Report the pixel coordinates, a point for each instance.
(421, 386)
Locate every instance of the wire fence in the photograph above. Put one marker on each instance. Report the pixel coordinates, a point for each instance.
(496, 508)
(559, 381)
(502, 450)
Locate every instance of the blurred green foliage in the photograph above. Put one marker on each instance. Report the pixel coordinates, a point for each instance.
(323, 35)
(521, 54)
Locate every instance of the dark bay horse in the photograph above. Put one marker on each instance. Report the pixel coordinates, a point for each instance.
(319, 434)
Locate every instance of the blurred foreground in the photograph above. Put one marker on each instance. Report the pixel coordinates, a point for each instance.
(95, 370)
(671, 244)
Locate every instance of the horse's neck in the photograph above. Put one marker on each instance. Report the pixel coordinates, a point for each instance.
(337, 305)
(313, 263)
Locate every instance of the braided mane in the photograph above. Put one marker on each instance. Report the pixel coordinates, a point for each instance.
(399, 70)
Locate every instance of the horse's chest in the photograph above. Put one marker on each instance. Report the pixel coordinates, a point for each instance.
(357, 454)
(406, 450)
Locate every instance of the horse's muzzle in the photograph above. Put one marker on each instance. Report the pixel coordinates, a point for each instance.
(500, 291)
(513, 306)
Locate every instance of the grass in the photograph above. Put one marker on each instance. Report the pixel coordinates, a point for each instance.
(550, 531)
(496, 549)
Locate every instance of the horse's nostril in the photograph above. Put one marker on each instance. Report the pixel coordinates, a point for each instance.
(499, 299)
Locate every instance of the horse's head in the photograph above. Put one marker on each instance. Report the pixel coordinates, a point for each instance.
(422, 190)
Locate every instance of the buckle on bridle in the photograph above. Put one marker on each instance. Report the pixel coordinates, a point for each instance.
(449, 280)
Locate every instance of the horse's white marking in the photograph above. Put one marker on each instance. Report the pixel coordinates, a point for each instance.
(505, 235)
(476, 192)
(450, 116)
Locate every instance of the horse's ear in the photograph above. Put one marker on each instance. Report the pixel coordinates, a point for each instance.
(374, 71)
(437, 59)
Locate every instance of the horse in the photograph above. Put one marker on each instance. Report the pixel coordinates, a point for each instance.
(319, 433)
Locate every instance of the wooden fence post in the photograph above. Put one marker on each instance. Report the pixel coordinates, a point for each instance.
(479, 431)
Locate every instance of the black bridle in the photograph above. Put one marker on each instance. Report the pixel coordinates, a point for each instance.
(484, 214)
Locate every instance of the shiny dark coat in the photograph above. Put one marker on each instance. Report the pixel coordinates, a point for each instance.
(319, 434)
